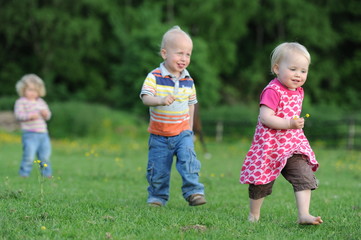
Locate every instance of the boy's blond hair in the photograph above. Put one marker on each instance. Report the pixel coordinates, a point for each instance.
(283, 49)
(167, 36)
(23, 83)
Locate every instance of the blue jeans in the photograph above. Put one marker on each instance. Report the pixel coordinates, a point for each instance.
(160, 158)
(38, 144)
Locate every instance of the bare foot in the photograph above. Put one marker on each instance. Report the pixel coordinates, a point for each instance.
(253, 218)
(310, 220)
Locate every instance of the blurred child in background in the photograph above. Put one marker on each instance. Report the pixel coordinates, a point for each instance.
(32, 112)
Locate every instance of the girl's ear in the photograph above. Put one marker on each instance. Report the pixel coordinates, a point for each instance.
(163, 52)
(276, 69)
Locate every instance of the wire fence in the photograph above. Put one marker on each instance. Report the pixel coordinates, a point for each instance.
(343, 133)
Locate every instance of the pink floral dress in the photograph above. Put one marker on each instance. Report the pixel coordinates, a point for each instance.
(271, 148)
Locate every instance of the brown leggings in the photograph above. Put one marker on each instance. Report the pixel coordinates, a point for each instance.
(297, 171)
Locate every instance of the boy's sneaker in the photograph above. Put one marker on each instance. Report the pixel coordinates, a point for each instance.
(196, 200)
(155, 204)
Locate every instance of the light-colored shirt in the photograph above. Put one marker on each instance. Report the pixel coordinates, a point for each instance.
(24, 108)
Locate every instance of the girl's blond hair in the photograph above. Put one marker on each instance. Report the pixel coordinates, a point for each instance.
(27, 79)
(283, 49)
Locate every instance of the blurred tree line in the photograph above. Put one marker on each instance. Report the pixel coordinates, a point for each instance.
(100, 51)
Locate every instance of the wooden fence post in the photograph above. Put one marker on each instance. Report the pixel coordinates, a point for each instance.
(351, 134)
(219, 131)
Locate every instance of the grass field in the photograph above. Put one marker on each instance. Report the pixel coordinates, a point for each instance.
(99, 192)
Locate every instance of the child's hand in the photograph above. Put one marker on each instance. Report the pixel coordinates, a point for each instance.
(168, 100)
(44, 113)
(34, 116)
(297, 123)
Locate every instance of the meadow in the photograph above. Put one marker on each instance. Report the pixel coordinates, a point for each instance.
(99, 192)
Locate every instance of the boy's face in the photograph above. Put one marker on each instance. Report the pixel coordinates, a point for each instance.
(292, 70)
(177, 53)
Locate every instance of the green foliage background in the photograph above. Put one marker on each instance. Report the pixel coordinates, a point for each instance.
(76, 119)
(101, 51)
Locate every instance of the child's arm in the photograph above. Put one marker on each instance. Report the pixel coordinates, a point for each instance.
(44, 110)
(157, 101)
(22, 115)
(269, 118)
(45, 114)
(191, 116)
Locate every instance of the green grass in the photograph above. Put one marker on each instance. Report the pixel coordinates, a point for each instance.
(99, 192)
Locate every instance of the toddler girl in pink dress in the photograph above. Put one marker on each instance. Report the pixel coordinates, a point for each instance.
(279, 145)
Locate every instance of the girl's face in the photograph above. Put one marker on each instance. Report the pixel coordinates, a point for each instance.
(31, 92)
(177, 55)
(292, 70)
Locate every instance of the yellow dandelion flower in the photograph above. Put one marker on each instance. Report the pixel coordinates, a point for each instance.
(43, 228)
(38, 161)
(35, 161)
(45, 165)
(306, 116)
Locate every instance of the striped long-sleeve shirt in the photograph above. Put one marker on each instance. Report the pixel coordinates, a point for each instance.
(24, 108)
(173, 119)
